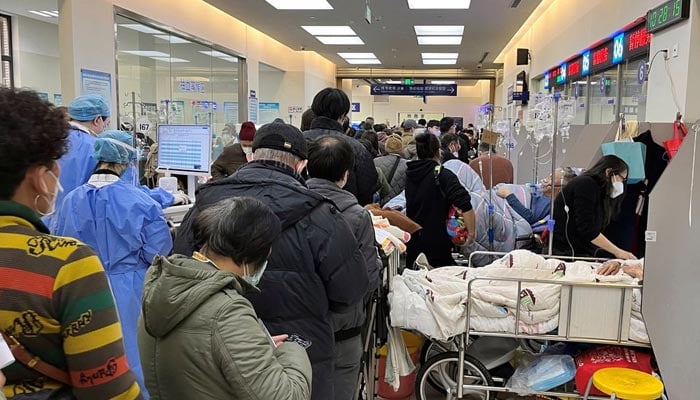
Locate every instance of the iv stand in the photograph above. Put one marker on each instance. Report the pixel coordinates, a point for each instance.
(555, 137)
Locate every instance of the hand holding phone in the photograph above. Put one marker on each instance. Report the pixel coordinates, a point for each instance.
(294, 338)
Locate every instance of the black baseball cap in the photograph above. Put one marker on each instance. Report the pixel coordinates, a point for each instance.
(283, 137)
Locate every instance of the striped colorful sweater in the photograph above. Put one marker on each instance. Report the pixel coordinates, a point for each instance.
(55, 299)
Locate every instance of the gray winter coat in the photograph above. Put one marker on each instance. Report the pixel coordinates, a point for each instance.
(360, 223)
(199, 338)
(398, 181)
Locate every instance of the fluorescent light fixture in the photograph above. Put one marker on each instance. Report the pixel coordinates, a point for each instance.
(357, 55)
(172, 39)
(363, 61)
(214, 53)
(439, 55)
(300, 4)
(329, 30)
(45, 14)
(444, 40)
(394, 82)
(170, 60)
(439, 30)
(52, 13)
(141, 28)
(340, 39)
(439, 4)
(146, 53)
(442, 82)
(440, 62)
(230, 59)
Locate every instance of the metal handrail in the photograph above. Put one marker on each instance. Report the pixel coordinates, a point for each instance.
(545, 256)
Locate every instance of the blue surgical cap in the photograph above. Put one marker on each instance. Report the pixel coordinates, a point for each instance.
(88, 107)
(114, 147)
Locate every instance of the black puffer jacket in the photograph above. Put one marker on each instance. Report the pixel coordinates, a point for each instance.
(363, 179)
(315, 265)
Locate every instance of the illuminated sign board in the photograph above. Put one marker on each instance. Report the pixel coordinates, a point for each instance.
(586, 63)
(637, 42)
(619, 48)
(667, 14)
(574, 69)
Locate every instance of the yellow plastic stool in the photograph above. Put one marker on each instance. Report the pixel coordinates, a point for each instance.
(626, 384)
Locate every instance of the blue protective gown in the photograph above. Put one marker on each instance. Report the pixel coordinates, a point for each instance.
(127, 229)
(160, 195)
(77, 165)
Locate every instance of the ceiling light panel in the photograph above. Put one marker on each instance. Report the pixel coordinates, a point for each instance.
(230, 59)
(394, 82)
(440, 55)
(171, 60)
(45, 14)
(355, 40)
(443, 82)
(214, 53)
(439, 30)
(146, 53)
(440, 40)
(438, 4)
(363, 61)
(440, 62)
(141, 28)
(300, 4)
(172, 39)
(329, 30)
(357, 55)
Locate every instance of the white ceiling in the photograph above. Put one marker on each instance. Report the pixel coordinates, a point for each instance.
(22, 7)
(489, 26)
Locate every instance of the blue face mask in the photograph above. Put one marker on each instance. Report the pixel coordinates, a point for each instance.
(255, 278)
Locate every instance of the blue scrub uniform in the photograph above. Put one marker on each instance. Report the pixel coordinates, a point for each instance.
(127, 229)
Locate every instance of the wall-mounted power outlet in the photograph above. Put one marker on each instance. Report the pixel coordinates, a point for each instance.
(674, 51)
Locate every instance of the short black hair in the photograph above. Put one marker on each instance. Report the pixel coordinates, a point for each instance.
(485, 147)
(432, 123)
(241, 228)
(32, 132)
(330, 157)
(306, 119)
(447, 139)
(331, 103)
(427, 146)
(422, 122)
(379, 127)
(346, 124)
(446, 123)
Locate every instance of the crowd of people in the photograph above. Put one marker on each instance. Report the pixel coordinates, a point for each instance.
(262, 292)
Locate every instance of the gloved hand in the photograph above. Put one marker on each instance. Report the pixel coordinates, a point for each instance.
(181, 198)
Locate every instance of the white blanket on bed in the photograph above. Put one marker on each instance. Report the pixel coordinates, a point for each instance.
(433, 302)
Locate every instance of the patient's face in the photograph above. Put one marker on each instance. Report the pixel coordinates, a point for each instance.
(547, 183)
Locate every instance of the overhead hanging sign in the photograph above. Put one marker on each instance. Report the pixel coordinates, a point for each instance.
(414, 90)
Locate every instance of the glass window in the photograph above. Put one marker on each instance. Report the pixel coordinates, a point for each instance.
(578, 91)
(634, 90)
(168, 79)
(603, 97)
(6, 68)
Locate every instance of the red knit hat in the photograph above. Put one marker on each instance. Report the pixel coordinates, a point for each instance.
(247, 133)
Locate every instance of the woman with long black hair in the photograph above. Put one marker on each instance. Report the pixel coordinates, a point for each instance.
(587, 205)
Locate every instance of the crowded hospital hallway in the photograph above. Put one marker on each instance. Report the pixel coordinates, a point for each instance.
(349, 199)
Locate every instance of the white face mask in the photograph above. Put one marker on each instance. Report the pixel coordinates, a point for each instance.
(51, 201)
(255, 278)
(618, 189)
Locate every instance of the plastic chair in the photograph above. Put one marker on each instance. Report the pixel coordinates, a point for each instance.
(626, 384)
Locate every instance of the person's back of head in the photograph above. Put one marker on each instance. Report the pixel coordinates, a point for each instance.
(485, 148)
(306, 119)
(331, 103)
(447, 139)
(422, 122)
(447, 124)
(427, 146)
(409, 125)
(282, 143)
(331, 158)
(394, 145)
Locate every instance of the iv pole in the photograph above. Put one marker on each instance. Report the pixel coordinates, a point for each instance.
(555, 137)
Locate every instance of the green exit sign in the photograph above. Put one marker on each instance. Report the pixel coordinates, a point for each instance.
(667, 14)
(408, 81)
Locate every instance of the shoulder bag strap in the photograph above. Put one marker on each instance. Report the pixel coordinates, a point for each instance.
(393, 170)
(35, 363)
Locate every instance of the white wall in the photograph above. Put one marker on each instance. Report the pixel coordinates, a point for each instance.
(465, 104)
(36, 56)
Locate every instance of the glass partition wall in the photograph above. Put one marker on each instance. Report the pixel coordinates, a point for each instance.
(164, 78)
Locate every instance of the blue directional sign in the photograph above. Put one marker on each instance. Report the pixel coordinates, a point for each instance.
(414, 90)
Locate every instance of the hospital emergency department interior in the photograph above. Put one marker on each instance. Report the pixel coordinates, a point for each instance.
(349, 199)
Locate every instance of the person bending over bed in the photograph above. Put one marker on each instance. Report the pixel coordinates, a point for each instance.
(540, 205)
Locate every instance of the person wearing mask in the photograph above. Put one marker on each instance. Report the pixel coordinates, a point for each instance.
(315, 266)
(89, 116)
(234, 156)
(199, 336)
(430, 193)
(125, 226)
(433, 127)
(502, 167)
(541, 202)
(330, 162)
(393, 167)
(56, 299)
(447, 125)
(331, 106)
(450, 147)
(586, 206)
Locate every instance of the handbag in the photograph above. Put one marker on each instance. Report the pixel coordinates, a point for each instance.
(673, 145)
(632, 153)
(454, 223)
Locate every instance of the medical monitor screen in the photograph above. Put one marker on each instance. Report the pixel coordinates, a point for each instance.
(184, 148)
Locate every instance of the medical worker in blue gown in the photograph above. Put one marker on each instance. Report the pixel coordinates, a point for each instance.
(89, 116)
(123, 225)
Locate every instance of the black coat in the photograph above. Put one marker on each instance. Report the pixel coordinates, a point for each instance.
(584, 199)
(363, 180)
(315, 265)
(428, 202)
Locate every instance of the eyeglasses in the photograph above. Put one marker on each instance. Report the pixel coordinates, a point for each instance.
(624, 178)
